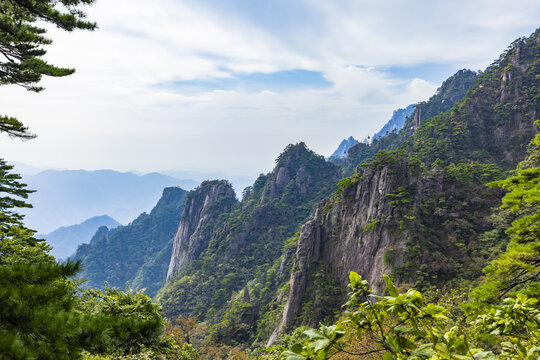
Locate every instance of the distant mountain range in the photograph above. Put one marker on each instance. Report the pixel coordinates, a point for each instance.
(64, 240)
(67, 197)
(396, 122)
(343, 148)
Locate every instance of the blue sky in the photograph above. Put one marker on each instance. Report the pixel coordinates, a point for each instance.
(215, 85)
(281, 81)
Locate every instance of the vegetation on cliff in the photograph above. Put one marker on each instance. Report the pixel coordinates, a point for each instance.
(138, 253)
(247, 242)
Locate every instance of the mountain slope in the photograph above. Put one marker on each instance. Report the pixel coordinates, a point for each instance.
(451, 91)
(423, 214)
(64, 240)
(218, 251)
(139, 251)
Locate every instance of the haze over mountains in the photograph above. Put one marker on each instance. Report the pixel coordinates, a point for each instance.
(69, 197)
(64, 240)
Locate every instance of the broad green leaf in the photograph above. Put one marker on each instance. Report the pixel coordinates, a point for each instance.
(319, 345)
(392, 290)
(423, 352)
(289, 355)
(314, 334)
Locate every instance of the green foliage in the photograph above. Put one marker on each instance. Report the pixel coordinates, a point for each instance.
(322, 297)
(15, 193)
(254, 232)
(22, 43)
(42, 313)
(124, 323)
(371, 225)
(36, 299)
(519, 267)
(138, 253)
(390, 256)
(405, 326)
(236, 327)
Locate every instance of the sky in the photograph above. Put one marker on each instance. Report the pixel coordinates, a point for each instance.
(224, 86)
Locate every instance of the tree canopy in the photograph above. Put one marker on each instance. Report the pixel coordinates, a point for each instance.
(22, 41)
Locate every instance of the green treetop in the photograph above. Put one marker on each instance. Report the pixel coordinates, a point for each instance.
(21, 45)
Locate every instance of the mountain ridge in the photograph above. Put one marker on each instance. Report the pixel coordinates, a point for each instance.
(65, 239)
(419, 214)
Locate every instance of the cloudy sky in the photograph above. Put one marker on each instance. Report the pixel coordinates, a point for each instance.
(216, 85)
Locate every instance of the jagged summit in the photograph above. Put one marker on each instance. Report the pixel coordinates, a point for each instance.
(218, 251)
(202, 207)
(447, 95)
(396, 122)
(343, 148)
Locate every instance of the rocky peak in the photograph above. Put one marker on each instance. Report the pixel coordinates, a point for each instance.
(448, 94)
(422, 222)
(202, 207)
(396, 122)
(170, 198)
(343, 148)
(101, 233)
(296, 165)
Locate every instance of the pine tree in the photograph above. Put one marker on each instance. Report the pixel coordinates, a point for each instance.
(21, 44)
(518, 269)
(10, 185)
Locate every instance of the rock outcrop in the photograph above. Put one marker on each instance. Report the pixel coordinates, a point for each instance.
(354, 230)
(134, 254)
(201, 209)
(215, 256)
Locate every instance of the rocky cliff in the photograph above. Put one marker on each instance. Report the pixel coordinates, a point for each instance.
(199, 217)
(219, 254)
(133, 255)
(421, 213)
(344, 146)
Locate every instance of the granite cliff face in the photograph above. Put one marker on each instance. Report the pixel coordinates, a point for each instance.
(421, 214)
(219, 249)
(354, 230)
(198, 220)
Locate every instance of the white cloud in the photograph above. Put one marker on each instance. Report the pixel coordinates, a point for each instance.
(110, 114)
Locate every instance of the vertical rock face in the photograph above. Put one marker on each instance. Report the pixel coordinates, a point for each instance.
(201, 209)
(217, 256)
(353, 232)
